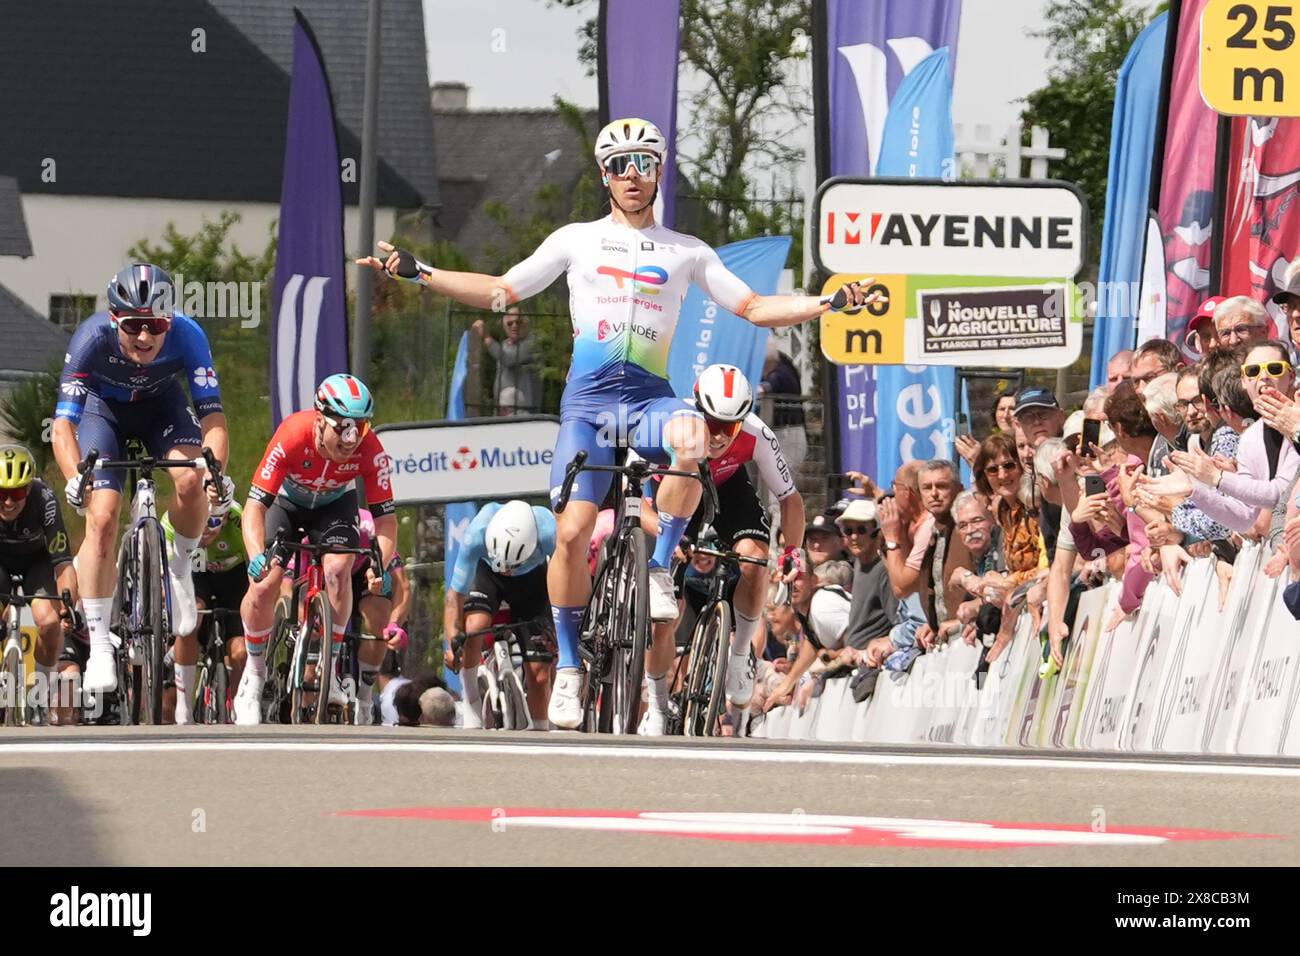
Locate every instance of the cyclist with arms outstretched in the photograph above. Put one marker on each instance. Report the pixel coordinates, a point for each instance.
(120, 381)
(627, 278)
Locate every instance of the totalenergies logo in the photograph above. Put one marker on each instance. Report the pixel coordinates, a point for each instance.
(645, 278)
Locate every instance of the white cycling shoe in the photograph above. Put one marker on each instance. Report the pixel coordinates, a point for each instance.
(739, 685)
(654, 723)
(471, 718)
(101, 673)
(184, 609)
(565, 708)
(248, 699)
(365, 714)
(663, 599)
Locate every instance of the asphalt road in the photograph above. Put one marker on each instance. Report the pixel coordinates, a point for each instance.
(214, 796)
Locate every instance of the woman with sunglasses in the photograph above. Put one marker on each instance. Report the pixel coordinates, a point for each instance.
(737, 436)
(999, 475)
(34, 550)
(309, 483)
(627, 278)
(122, 379)
(1266, 462)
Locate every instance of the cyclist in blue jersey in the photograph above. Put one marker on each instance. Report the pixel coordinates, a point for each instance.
(502, 557)
(627, 278)
(121, 380)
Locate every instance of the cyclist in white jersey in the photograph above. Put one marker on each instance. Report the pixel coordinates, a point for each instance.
(627, 277)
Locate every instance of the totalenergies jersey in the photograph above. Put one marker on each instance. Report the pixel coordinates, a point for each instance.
(626, 288)
(292, 467)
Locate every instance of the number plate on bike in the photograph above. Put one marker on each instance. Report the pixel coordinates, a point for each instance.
(632, 507)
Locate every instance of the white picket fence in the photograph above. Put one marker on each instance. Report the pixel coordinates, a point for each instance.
(1183, 676)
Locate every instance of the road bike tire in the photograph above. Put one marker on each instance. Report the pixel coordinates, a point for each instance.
(595, 630)
(514, 702)
(697, 679)
(15, 678)
(323, 614)
(629, 632)
(153, 570)
(719, 627)
(279, 661)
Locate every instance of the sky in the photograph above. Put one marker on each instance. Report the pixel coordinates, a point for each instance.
(520, 53)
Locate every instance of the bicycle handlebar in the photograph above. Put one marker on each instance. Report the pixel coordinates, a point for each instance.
(639, 469)
(537, 626)
(208, 460)
(25, 600)
(731, 556)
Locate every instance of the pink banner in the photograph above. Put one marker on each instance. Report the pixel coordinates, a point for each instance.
(1262, 227)
(1187, 189)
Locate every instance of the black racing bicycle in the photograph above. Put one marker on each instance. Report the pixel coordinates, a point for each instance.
(13, 671)
(502, 684)
(616, 627)
(213, 695)
(142, 605)
(704, 696)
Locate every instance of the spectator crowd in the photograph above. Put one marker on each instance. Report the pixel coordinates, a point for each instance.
(1185, 452)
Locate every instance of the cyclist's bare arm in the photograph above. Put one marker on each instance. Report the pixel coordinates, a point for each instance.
(254, 527)
(216, 436)
(386, 535)
(66, 450)
(401, 598)
(453, 612)
(793, 520)
(469, 288)
(777, 311)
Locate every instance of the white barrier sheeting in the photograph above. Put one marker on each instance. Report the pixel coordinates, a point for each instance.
(1210, 671)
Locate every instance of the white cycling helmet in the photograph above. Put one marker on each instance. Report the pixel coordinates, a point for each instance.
(511, 537)
(630, 136)
(723, 393)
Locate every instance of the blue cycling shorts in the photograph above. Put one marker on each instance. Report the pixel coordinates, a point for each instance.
(627, 409)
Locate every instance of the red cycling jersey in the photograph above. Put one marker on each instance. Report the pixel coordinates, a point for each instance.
(292, 467)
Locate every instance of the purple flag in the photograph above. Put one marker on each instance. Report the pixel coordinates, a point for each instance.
(638, 74)
(869, 49)
(309, 332)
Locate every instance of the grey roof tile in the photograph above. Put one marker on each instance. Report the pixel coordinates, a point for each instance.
(141, 114)
(30, 343)
(14, 240)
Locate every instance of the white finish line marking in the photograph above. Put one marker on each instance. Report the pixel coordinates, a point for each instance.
(711, 754)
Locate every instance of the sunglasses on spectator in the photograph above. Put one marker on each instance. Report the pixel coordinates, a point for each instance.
(134, 325)
(645, 164)
(13, 494)
(1269, 369)
(859, 529)
(1006, 468)
(723, 429)
(341, 425)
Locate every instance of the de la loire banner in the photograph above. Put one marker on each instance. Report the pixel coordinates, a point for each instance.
(972, 274)
(309, 332)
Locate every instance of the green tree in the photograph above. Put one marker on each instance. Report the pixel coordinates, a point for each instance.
(25, 413)
(1088, 40)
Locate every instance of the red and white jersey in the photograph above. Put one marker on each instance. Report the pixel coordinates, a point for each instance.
(757, 443)
(292, 467)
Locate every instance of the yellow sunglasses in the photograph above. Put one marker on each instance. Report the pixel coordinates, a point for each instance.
(1269, 369)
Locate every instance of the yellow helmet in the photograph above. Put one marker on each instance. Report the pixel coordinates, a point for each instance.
(17, 467)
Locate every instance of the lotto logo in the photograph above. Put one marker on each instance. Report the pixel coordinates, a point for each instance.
(205, 376)
(464, 459)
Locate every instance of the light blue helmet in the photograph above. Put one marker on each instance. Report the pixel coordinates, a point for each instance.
(346, 396)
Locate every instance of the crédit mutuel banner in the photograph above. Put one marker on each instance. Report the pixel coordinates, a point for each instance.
(973, 274)
(471, 459)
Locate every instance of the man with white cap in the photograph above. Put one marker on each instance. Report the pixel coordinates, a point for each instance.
(1288, 298)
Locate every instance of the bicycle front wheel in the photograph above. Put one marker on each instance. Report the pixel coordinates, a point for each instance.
(719, 638)
(153, 633)
(629, 631)
(514, 705)
(320, 628)
(15, 681)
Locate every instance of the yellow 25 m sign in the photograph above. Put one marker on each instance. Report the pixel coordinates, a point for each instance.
(1250, 57)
